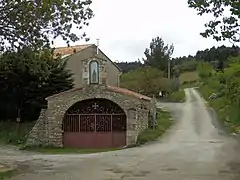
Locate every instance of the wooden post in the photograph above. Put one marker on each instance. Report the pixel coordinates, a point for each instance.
(18, 120)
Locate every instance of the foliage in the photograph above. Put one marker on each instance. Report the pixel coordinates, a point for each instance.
(158, 54)
(32, 23)
(180, 60)
(189, 77)
(128, 66)
(218, 57)
(232, 79)
(177, 96)
(187, 65)
(147, 80)
(14, 133)
(191, 84)
(227, 112)
(227, 86)
(151, 134)
(204, 70)
(7, 174)
(27, 78)
(222, 27)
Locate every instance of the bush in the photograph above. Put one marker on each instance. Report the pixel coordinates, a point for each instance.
(204, 70)
(227, 87)
(178, 96)
(8, 174)
(148, 81)
(11, 133)
(188, 66)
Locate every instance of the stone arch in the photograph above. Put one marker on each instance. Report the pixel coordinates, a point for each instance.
(94, 123)
(63, 107)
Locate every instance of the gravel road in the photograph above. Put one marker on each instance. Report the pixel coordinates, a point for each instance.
(193, 149)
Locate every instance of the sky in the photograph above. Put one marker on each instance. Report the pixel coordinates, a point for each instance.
(126, 27)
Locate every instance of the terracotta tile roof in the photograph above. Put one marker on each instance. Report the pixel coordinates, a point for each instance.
(128, 92)
(66, 51)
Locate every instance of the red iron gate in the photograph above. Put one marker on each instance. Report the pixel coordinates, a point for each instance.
(95, 123)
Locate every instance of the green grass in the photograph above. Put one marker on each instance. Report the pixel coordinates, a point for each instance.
(191, 84)
(7, 174)
(228, 114)
(187, 77)
(56, 150)
(163, 123)
(178, 96)
(11, 133)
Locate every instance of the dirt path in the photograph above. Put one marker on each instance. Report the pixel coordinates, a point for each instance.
(192, 149)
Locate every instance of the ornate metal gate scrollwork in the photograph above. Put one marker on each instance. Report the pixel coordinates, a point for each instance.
(95, 116)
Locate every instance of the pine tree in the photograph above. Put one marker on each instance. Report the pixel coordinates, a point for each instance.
(27, 78)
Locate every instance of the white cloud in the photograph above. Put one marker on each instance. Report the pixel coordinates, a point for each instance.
(126, 27)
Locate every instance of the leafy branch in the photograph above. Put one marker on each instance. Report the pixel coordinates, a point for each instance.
(222, 27)
(33, 23)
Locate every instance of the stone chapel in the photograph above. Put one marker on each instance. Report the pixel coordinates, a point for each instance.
(96, 113)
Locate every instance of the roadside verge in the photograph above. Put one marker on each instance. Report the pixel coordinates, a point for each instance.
(164, 121)
(6, 171)
(220, 114)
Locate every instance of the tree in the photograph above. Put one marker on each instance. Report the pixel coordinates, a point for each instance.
(33, 23)
(222, 27)
(26, 79)
(158, 54)
(147, 80)
(128, 66)
(204, 70)
(187, 65)
(219, 56)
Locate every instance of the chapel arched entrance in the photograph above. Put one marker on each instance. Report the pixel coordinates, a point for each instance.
(94, 123)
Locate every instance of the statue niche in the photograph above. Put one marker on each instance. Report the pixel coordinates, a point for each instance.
(94, 72)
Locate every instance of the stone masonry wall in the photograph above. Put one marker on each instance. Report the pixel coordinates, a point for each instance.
(48, 129)
(140, 122)
(38, 134)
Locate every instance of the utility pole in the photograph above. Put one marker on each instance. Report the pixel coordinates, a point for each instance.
(169, 69)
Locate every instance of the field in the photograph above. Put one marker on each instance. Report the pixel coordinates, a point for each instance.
(188, 77)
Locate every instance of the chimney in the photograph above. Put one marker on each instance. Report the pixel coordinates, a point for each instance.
(97, 45)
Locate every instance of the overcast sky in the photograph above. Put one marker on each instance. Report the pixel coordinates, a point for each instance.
(125, 27)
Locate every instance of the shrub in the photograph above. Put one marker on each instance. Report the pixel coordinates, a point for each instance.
(11, 133)
(149, 81)
(227, 86)
(178, 96)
